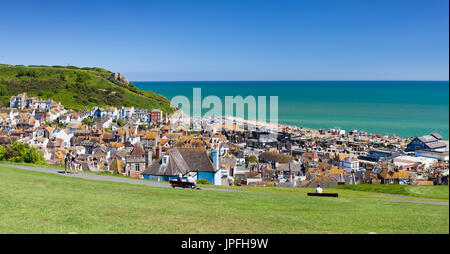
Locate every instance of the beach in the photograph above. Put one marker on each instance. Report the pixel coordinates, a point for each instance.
(395, 108)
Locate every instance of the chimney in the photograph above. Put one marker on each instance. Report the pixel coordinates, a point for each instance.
(148, 157)
(157, 153)
(215, 158)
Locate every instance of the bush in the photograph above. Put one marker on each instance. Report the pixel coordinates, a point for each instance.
(120, 122)
(202, 181)
(21, 152)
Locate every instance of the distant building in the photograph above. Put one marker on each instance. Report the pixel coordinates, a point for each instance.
(141, 114)
(126, 112)
(21, 101)
(350, 165)
(97, 112)
(377, 155)
(428, 142)
(440, 156)
(156, 116)
(18, 101)
(137, 161)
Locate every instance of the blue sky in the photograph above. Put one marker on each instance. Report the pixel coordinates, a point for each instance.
(233, 40)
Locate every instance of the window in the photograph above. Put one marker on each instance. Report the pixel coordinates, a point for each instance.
(137, 167)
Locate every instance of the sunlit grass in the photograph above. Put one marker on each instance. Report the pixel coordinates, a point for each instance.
(34, 202)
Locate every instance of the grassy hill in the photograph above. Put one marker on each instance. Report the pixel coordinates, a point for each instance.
(34, 202)
(435, 192)
(76, 88)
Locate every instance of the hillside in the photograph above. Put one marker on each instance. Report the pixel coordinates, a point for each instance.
(76, 88)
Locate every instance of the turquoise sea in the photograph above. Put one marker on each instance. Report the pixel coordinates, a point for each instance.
(404, 108)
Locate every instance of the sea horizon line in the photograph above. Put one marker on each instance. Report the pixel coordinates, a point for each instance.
(324, 80)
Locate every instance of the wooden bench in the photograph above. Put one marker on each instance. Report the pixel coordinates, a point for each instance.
(182, 184)
(335, 195)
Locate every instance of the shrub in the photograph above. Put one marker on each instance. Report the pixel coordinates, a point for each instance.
(21, 152)
(202, 181)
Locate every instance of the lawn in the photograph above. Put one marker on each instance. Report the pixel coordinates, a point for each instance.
(376, 191)
(434, 192)
(34, 202)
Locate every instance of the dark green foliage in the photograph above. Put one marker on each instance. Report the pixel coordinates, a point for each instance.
(275, 157)
(120, 122)
(76, 88)
(250, 159)
(142, 127)
(202, 181)
(20, 152)
(88, 121)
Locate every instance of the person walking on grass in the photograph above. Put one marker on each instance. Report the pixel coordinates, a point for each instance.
(67, 162)
(73, 162)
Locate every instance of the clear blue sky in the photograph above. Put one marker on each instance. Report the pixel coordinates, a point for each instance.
(233, 40)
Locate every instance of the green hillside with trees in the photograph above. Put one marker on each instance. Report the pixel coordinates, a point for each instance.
(76, 88)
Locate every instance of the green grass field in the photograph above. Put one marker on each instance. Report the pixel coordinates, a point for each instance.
(434, 192)
(33, 202)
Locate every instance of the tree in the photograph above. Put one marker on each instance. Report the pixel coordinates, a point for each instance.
(88, 121)
(275, 157)
(21, 152)
(2, 153)
(142, 127)
(120, 122)
(250, 159)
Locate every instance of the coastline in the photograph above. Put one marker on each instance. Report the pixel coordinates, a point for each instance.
(379, 107)
(309, 132)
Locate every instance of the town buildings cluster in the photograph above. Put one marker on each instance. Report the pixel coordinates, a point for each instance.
(158, 146)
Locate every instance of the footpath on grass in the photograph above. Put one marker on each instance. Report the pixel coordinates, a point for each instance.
(97, 177)
(100, 177)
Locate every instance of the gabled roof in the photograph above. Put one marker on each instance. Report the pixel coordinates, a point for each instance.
(436, 135)
(436, 144)
(197, 159)
(138, 150)
(182, 160)
(427, 138)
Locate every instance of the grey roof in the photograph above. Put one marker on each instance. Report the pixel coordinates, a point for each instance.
(436, 135)
(291, 166)
(174, 166)
(181, 161)
(197, 159)
(427, 138)
(436, 144)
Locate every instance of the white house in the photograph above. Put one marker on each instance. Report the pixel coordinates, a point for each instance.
(53, 115)
(350, 165)
(65, 119)
(141, 114)
(112, 112)
(126, 112)
(135, 138)
(63, 134)
(107, 123)
(40, 142)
